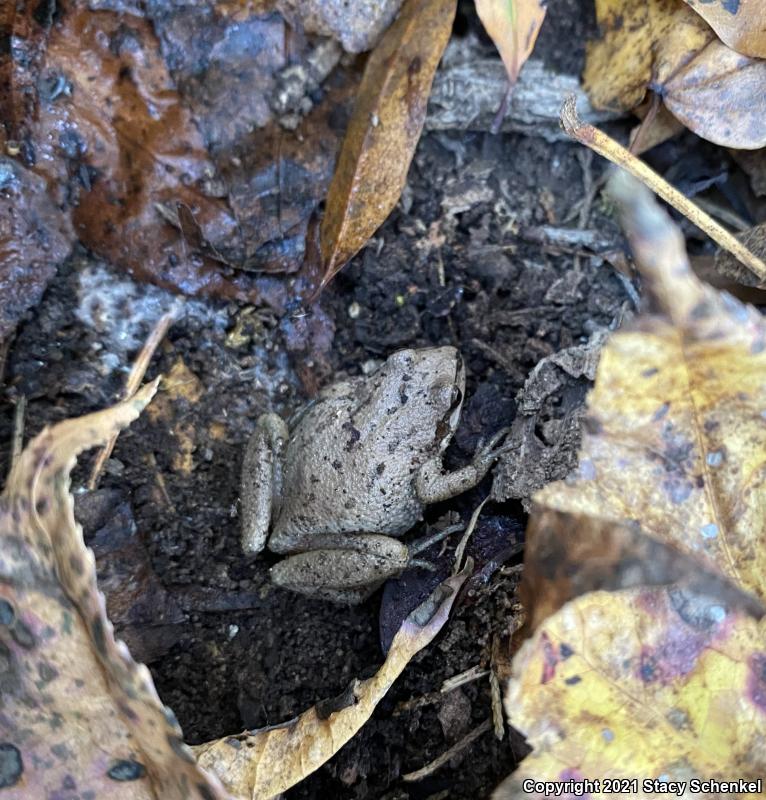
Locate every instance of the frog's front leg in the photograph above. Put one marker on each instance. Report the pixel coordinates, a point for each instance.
(433, 485)
(262, 480)
(344, 568)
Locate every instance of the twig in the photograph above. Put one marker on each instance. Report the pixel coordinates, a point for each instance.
(613, 151)
(134, 381)
(497, 706)
(473, 673)
(465, 742)
(460, 549)
(17, 443)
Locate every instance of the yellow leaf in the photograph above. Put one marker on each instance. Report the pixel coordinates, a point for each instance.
(384, 129)
(77, 710)
(513, 26)
(640, 686)
(676, 431)
(265, 763)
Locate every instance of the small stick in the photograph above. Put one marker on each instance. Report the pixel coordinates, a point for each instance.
(473, 673)
(497, 706)
(613, 151)
(467, 740)
(17, 443)
(460, 550)
(135, 377)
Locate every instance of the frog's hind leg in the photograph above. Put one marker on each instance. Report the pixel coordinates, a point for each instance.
(344, 568)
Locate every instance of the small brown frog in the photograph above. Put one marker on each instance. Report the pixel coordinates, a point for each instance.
(354, 471)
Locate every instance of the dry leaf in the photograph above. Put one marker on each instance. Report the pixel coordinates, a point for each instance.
(741, 24)
(80, 716)
(716, 92)
(265, 763)
(720, 95)
(384, 129)
(655, 682)
(513, 26)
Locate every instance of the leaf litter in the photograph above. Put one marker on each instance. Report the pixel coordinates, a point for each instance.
(184, 219)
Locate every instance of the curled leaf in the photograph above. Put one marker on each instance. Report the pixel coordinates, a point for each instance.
(265, 763)
(384, 129)
(741, 24)
(79, 714)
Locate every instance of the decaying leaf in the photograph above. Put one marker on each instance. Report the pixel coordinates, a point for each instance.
(663, 45)
(384, 129)
(80, 716)
(644, 684)
(720, 95)
(513, 26)
(648, 681)
(677, 434)
(265, 763)
(741, 24)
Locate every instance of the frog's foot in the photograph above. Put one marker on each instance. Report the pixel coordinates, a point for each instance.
(261, 480)
(344, 568)
(433, 485)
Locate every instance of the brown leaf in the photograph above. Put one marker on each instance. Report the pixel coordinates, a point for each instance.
(277, 178)
(741, 24)
(621, 63)
(79, 713)
(126, 152)
(513, 26)
(265, 763)
(384, 129)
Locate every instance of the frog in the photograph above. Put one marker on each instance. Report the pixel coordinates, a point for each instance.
(335, 487)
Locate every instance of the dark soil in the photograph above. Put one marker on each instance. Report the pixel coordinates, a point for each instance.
(443, 269)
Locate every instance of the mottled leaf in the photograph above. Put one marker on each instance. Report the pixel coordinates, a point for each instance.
(741, 24)
(677, 431)
(513, 26)
(720, 95)
(80, 717)
(645, 684)
(265, 763)
(384, 129)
